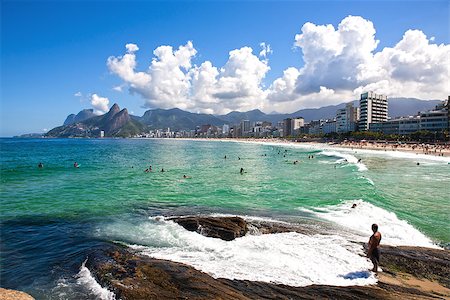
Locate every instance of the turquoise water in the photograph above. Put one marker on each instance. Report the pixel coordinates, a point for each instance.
(59, 209)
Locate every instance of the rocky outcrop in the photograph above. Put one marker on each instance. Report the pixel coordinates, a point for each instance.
(115, 123)
(14, 295)
(422, 263)
(132, 276)
(80, 117)
(225, 228)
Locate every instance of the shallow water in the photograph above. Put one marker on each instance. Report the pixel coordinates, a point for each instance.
(53, 217)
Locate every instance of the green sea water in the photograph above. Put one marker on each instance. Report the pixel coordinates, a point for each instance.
(111, 180)
(52, 217)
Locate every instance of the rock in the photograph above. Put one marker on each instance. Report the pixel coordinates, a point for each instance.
(225, 228)
(14, 295)
(131, 276)
(431, 264)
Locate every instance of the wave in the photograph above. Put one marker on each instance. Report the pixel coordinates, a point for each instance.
(85, 278)
(346, 158)
(358, 221)
(286, 258)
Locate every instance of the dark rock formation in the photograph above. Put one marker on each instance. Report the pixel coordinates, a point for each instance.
(225, 228)
(131, 276)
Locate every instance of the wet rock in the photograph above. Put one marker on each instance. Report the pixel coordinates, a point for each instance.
(132, 276)
(225, 228)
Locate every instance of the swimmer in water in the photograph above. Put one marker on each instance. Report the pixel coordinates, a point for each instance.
(40, 165)
(162, 170)
(241, 171)
(75, 165)
(186, 177)
(354, 205)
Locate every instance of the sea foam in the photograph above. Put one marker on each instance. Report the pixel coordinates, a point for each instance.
(286, 258)
(359, 220)
(85, 278)
(345, 157)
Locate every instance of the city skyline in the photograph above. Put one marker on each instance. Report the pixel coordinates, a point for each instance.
(309, 58)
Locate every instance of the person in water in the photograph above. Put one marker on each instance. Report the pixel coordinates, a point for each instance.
(374, 247)
(241, 171)
(354, 205)
(162, 170)
(75, 165)
(40, 165)
(186, 177)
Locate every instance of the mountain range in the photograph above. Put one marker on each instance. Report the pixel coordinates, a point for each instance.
(118, 123)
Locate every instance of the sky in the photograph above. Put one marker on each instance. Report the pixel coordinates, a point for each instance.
(59, 57)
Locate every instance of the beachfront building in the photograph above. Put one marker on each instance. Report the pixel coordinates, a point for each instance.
(296, 124)
(436, 120)
(245, 127)
(400, 126)
(225, 129)
(287, 127)
(329, 126)
(373, 109)
(347, 118)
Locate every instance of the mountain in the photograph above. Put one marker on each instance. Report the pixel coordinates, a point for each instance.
(115, 123)
(81, 116)
(235, 117)
(176, 119)
(397, 107)
(118, 122)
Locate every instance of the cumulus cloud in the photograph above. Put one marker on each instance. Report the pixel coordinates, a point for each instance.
(78, 94)
(173, 81)
(99, 103)
(344, 59)
(339, 63)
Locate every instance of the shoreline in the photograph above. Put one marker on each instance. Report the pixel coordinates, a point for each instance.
(426, 151)
(408, 272)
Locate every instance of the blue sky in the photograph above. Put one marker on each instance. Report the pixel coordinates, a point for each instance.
(52, 50)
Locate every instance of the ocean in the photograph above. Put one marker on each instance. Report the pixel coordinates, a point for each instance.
(53, 217)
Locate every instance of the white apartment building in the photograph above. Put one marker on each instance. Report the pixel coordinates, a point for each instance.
(347, 118)
(373, 109)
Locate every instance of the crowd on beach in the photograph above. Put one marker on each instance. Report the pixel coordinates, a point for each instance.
(428, 149)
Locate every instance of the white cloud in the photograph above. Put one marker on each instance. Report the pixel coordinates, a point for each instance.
(118, 88)
(172, 81)
(99, 103)
(338, 64)
(265, 50)
(78, 94)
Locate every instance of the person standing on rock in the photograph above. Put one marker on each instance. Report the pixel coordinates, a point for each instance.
(374, 247)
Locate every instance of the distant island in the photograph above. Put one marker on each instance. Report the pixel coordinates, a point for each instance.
(119, 123)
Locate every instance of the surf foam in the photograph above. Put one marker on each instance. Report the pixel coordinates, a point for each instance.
(285, 258)
(359, 220)
(85, 278)
(346, 157)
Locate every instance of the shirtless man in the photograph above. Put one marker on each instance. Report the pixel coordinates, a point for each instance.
(374, 247)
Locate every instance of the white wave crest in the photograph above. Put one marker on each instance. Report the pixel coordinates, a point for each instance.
(346, 157)
(359, 220)
(85, 278)
(287, 258)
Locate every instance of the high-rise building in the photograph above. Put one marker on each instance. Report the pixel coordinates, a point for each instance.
(373, 109)
(347, 118)
(287, 127)
(245, 127)
(225, 129)
(296, 124)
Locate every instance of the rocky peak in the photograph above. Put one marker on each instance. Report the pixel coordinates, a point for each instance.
(111, 113)
(118, 120)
